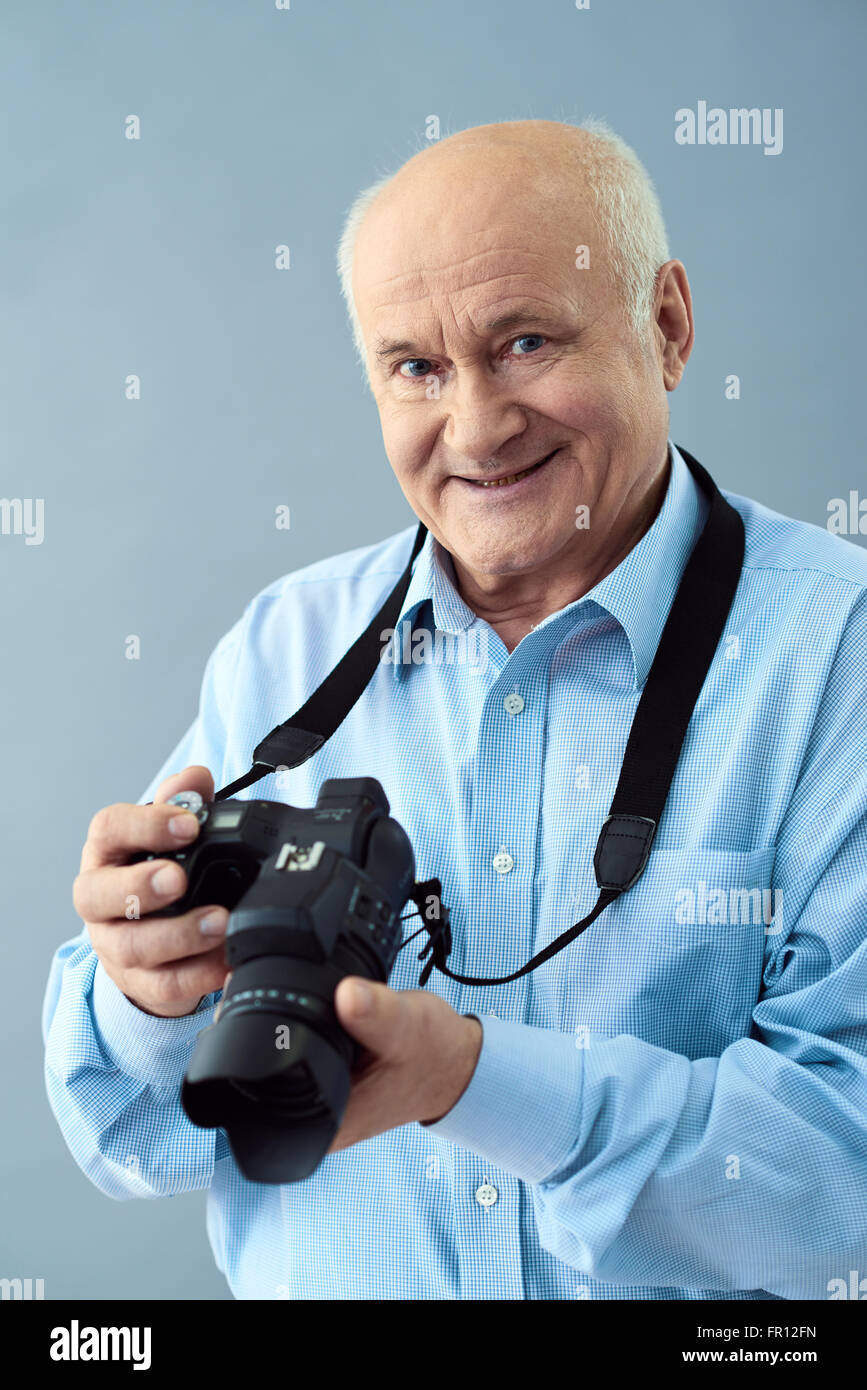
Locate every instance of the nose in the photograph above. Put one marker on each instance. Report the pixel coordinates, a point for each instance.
(480, 421)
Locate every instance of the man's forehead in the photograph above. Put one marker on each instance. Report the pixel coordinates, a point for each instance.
(486, 288)
(502, 271)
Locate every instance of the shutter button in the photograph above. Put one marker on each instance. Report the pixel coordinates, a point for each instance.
(486, 1193)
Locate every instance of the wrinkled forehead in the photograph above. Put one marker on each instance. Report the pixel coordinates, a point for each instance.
(467, 239)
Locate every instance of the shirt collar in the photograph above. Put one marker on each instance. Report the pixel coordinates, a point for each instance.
(433, 579)
(638, 592)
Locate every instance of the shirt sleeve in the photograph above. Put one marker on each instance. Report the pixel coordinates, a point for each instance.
(743, 1171)
(113, 1073)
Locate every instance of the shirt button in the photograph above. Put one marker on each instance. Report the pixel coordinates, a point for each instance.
(486, 1193)
(503, 862)
(514, 703)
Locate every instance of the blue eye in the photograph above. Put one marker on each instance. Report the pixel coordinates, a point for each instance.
(535, 338)
(415, 362)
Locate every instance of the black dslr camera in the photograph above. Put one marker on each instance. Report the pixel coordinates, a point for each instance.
(314, 895)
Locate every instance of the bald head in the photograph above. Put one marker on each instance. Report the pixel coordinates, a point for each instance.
(491, 161)
(588, 173)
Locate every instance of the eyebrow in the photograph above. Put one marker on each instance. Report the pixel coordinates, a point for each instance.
(524, 314)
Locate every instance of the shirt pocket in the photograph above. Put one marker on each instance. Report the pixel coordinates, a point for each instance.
(678, 959)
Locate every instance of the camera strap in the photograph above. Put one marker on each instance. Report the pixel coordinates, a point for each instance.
(292, 743)
(683, 657)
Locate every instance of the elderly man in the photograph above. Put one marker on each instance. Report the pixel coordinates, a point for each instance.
(675, 1104)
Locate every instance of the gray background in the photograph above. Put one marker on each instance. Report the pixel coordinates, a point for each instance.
(157, 257)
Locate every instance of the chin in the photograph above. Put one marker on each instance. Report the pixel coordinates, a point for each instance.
(502, 552)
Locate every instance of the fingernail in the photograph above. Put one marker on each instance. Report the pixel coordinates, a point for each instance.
(168, 879)
(214, 924)
(184, 827)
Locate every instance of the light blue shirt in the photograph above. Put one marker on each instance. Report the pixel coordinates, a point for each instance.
(675, 1106)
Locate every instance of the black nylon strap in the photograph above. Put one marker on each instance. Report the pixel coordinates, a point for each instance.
(292, 743)
(686, 649)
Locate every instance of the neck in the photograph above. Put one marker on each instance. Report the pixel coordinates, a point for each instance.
(514, 604)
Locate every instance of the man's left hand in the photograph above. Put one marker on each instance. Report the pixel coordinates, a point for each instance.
(419, 1057)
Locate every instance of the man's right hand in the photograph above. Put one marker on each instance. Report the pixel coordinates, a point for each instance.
(164, 965)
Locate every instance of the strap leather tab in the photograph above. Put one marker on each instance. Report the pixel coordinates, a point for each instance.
(287, 747)
(622, 850)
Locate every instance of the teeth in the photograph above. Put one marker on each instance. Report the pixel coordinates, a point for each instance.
(504, 482)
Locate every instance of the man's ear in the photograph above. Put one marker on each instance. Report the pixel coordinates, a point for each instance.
(675, 329)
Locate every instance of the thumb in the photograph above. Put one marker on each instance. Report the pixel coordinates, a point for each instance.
(192, 779)
(364, 1008)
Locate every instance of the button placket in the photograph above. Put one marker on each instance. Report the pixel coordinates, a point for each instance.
(488, 1232)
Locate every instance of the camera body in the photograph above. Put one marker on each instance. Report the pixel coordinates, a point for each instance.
(314, 895)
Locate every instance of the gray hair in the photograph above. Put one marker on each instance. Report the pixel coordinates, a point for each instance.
(627, 209)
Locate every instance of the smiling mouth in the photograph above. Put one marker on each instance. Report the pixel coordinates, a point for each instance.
(513, 477)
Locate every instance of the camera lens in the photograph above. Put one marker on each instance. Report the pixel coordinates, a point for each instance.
(274, 1071)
